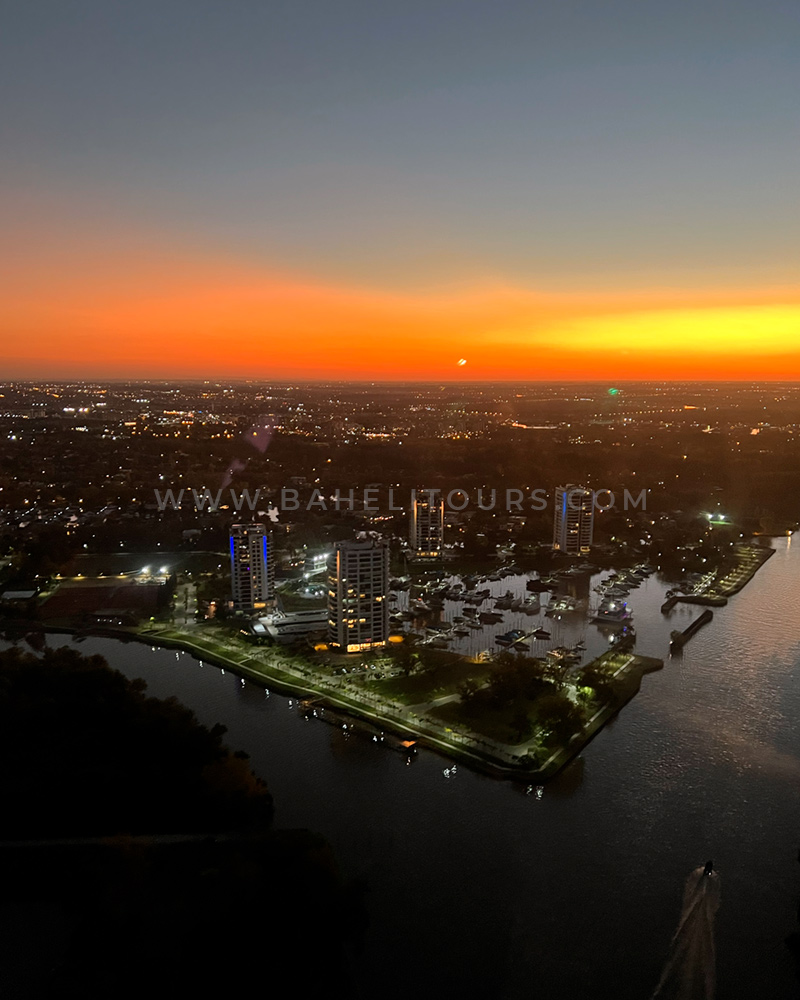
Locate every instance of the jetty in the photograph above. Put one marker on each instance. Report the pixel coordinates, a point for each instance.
(679, 639)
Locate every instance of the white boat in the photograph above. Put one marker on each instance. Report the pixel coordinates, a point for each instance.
(612, 611)
(505, 601)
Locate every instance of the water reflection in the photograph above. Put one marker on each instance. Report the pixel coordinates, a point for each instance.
(568, 781)
(577, 893)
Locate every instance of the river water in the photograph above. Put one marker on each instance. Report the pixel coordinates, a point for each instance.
(477, 890)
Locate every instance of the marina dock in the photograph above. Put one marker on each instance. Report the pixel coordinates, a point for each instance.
(679, 639)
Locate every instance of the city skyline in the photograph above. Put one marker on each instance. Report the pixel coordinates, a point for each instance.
(400, 497)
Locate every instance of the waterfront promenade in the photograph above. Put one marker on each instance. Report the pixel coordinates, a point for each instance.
(715, 590)
(275, 668)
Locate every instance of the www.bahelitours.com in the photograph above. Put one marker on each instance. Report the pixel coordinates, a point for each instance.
(375, 500)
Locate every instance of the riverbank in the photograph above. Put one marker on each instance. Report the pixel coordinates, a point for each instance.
(629, 682)
(689, 769)
(748, 561)
(498, 760)
(265, 666)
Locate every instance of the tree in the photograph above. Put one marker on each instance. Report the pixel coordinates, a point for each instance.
(599, 679)
(467, 690)
(159, 769)
(109, 763)
(561, 716)
(403, 655)
(556, 671)
(521, 724)
(516, 678)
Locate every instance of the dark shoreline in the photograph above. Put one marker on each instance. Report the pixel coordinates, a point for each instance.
(480, 761)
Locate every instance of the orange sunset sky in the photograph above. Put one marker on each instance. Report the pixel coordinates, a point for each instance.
(376, 191)
(126, 314)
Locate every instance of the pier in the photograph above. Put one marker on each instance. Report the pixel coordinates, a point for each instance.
(679, 639)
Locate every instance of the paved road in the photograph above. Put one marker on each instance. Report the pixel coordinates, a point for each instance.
(185, 605)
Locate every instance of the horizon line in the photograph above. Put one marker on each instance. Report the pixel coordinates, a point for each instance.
(118, 379)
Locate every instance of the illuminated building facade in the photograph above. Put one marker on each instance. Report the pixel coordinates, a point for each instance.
(358, 586)
(426, 534)
(573, 525)
(252, 567)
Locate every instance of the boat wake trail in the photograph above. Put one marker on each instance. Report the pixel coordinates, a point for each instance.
(690, 969)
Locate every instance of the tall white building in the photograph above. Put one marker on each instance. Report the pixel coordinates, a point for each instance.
(426, 533)
(358, 587)
(573, 525)
(252, 566)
